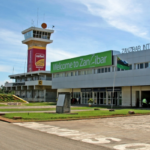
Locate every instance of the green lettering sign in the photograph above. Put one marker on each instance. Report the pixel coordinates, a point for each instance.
(83, 62)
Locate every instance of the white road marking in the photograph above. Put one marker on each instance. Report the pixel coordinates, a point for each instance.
(82, 136)
(101, 140)
(132, 145)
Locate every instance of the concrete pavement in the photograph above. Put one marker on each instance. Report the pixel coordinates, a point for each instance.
(122, 133)
(13, 137)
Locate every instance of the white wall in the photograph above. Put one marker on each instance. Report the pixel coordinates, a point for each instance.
(126, 94)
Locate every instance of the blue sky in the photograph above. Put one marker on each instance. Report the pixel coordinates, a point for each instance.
(81, 27)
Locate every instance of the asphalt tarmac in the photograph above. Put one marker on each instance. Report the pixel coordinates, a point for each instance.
(14, 137)
(121, 133)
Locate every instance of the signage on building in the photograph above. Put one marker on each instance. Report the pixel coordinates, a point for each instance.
(18, 84)
(136, 48)
(115, 89)
(100, 89)
(40, 82)
(36, 59)
(83, 62)
(86, 90)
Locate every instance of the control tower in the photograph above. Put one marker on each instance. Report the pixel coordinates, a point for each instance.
(37, 39)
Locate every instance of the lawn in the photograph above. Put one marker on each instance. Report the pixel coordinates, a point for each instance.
(3, 105)
(40, 104)
(80, 115)
(32, 104)
(44, 109)
(40, 109)
(4, 98)
(26, 109)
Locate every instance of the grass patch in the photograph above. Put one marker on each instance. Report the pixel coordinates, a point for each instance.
(41, 109)
(83, 114)
(26, 109)
(4, 98)
(40, 104)
(3, 105)
(32, 104)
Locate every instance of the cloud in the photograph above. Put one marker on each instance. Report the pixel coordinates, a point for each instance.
(6, 80)
(5, 68)
(125, 15)
(57, 55)
(10, 37)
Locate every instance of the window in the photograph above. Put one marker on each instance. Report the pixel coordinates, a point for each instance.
(105, 69)
(66, 74)
(72, 73)
(146, 65)
(141, 66)
(76, 73)
(28, 35)
(108, 69)
(48, 37)
(81, 72)
(118, 69)
(137, 66)
(89, 71)
(130, 67)
(98, 70)
(113, 69)
(102, 70)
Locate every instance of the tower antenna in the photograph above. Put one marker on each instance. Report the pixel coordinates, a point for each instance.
(24, 66)
(32, 23)
(13, 70)
(37, 16)
(44, 17)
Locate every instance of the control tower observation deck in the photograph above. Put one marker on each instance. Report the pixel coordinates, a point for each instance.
(37, 39)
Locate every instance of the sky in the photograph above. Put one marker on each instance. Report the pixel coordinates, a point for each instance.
(82, 27)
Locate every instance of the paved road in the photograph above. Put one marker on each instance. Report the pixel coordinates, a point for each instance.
(122, 133)
(13, 137)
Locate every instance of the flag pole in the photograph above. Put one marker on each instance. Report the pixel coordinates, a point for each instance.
(113, 87)
(115, 67)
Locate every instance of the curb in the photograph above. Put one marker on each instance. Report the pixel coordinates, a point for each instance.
(70, 119)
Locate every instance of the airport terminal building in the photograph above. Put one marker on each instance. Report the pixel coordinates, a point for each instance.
(33, 86)
(94, 76)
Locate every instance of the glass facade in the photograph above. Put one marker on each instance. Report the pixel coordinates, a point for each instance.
(37, 34)
(28, 35)
(115, 98)
(86, 96)
(102, 97)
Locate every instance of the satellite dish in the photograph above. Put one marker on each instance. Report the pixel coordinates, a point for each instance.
(44, 25)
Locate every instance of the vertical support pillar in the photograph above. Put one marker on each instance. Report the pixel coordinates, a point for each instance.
(140, 99)
(72, 93)
(80, 97)
(45, 95)
(106, 98)
(131, 96)
(93, 97)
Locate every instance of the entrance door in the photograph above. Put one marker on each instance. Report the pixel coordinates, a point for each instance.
(98, 100)
(146, 95)
(137, 99)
